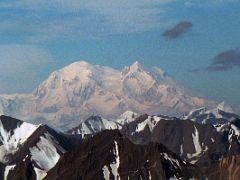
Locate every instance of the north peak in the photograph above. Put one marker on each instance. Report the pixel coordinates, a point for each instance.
(135, 66)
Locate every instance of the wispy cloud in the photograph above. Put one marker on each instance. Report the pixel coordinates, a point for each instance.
(226, 60)
(178, 30)
(209, 3)
(43, 19)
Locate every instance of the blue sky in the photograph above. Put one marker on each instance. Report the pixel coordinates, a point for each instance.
(37, 37)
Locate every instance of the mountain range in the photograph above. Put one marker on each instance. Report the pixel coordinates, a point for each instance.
(201, 138)
(38, 152)
(74, 93)
(132, 147)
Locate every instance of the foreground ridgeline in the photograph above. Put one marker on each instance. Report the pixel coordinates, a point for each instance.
(131, 147)
(109, 155)
(28, 151)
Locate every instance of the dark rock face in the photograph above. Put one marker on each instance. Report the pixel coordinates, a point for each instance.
(112, 155)
(201, 144)
(10, 123)
(236, 122)
(24, 170)
(2, 169)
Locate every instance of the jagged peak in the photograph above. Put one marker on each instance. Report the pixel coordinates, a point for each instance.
(224, 107)
(12, 123)
(133, 68)
(127, 114)
(9, 123)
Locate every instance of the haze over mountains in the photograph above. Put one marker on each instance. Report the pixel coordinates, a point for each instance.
(80, 90)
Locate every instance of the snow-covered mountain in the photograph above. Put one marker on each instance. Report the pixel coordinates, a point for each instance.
(79, 90)
(96, 124)
(26, 148)
(93, 125)
(222, 114)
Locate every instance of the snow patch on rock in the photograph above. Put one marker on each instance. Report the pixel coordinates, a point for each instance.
(46, 147)
(7, 169)
(12, 139)
(115, 165)
(106, 173)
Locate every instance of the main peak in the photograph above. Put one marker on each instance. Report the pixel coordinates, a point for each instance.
(80, 63)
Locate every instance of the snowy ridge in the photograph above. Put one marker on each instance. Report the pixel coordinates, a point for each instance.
(96, 124)
(222, 114)
(93, 125)
(126, 117)
(150, 122)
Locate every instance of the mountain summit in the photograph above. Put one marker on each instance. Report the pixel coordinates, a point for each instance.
(80, 90)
